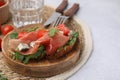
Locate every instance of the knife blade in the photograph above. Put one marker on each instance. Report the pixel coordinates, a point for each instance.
(58, 12)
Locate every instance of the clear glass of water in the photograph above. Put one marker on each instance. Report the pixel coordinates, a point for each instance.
(26, 12)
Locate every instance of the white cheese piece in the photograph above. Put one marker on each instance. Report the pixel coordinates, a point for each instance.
(32, 44)
(61, 32)
(70, 33)
(23, 46)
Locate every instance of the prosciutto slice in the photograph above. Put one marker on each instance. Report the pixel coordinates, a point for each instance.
(13, 43)
(58, 40)
(51, 43)
(29, 37)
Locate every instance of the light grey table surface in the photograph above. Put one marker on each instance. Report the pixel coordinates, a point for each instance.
(103, 18)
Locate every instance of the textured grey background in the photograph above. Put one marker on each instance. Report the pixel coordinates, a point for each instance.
(103, 18)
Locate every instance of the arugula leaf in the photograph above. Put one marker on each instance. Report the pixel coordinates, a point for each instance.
(52, 32)
(14, 35)
(73, 38)
(39, 53)
(18, 56)
(42, 55)
(75, 34)
(21, 57)
(25, 58)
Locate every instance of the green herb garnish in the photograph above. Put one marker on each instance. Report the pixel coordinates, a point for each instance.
(52, 32)
(18, 56)
(14, 35)
(39, 53)
(73, 38)
(75, 34)
(25, 58)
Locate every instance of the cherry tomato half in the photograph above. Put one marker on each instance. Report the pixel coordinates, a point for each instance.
(6, 29)
(21, 34)
(41, 32)
(2, 3)
(63, 28)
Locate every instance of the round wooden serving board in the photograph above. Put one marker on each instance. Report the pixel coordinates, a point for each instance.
(52, 70)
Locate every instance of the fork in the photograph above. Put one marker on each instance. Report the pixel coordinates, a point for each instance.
(66, 15)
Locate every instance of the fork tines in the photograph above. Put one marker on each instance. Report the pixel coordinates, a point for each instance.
(60, 20)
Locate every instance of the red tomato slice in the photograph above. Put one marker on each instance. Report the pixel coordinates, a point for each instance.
(63, 28)
(42, 32)
(6, 29)
(21, 34)
(2, 3)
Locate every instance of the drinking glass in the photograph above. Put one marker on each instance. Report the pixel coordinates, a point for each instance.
(26, 12)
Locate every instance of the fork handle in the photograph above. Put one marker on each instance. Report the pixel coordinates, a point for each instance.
(62, 6)
(70, 12)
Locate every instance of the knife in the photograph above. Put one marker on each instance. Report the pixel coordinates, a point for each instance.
(58, 12)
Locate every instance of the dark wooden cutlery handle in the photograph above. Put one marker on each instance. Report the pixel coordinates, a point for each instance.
(70, 12)
(62, 6)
